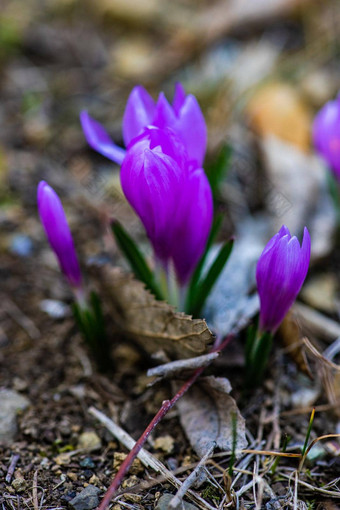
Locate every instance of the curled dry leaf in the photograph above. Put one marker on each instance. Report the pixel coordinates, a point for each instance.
(206, 414)
(291, 336)
(153, 324)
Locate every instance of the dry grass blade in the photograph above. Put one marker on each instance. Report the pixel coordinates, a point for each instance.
(312, 350)
(316, 440)
(35, 491)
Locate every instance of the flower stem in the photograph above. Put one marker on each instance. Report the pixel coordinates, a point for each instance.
(166, 406)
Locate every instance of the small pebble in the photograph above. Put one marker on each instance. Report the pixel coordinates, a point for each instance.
(19, 484)
(87, 463)
(86, 499)
(21, 245)
(89, 441)
(55, 309)
(164, 443)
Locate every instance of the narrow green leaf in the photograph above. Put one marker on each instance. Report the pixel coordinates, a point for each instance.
(217, 222)
(217, 171)
(204, 287)
(135, 259)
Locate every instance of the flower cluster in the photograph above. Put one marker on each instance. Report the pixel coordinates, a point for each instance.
(161, 173)
(326, 134)
(280, 273)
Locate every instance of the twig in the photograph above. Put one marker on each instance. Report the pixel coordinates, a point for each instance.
(11, 467)
(125, 439)
(19, 317)
(177, 499)
(35, 490)
(172, 368)
(166, 406)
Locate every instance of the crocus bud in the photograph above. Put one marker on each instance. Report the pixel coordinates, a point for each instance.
(280, 273)
(326, 134)
(152, 181)
(194, 225)
(58, 233)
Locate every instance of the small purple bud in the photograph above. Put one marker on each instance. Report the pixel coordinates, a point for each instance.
(152, 182)
(58, 233)
(326, 134)
(280, 273)
(99, 139)
(193, 224)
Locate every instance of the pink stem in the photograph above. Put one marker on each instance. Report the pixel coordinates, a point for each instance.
(166, 406)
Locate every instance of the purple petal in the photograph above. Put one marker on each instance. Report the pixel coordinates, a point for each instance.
(58, 233)
(99, 139)
(165, 116)
(151, 182)
(179, 98)
(194, 218)
(191, 127)
(139, 113)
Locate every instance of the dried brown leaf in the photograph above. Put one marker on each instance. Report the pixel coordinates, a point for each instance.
(155, 325)
(292, 339)
(206, 414)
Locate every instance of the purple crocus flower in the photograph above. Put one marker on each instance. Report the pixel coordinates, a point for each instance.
(58, 233)
(184, 117)
(153, 179)
(161, 173)
(326, 134)
(280, 273)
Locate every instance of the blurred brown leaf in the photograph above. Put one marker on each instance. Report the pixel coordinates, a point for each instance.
(277, 109)
(155, 325)
(207, 412)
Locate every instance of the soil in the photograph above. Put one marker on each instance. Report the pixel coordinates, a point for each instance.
(56, 62)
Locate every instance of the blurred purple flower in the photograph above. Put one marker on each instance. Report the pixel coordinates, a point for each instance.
(326, 134)
(184, 117)
(280, 273)
(58, 233)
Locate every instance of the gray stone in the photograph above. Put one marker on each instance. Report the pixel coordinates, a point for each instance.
(86, 499)
(163, 503)
(10, 403)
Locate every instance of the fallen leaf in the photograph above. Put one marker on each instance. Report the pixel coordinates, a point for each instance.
(206, 413)
(155, 325)
(291, 337)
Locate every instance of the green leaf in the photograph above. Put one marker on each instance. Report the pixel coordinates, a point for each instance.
(204, 287)
(218, 170)
(135, 259)
(90, 321)
(212, 236)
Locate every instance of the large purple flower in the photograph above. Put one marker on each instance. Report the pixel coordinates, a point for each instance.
(184, 117)
(280, 273)
(58, 233)
(161, 173)
(326, 134)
